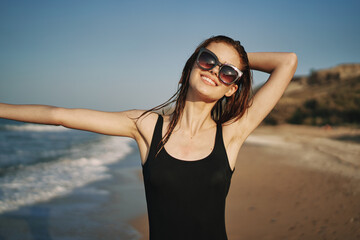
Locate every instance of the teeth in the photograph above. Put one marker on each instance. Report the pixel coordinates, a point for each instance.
(208, 80)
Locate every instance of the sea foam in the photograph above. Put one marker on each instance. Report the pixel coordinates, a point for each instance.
(46, 180)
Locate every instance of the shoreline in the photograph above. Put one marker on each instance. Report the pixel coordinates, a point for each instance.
(98, 210)
(289, 184)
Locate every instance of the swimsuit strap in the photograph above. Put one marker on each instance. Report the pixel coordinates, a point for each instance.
(156, 139)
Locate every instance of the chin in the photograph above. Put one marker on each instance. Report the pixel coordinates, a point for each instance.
(201, 93)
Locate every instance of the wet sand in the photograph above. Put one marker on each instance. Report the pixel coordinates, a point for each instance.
(293, 182)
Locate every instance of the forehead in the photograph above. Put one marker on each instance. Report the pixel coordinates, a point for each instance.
(225, 53)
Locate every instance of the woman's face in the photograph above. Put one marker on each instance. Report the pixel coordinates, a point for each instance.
(206, 84)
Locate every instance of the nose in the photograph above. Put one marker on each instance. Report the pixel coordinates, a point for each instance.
(215, 70)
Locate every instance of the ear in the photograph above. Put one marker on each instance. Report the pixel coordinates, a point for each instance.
(233, 88)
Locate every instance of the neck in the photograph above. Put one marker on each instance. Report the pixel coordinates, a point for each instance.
(196, 116)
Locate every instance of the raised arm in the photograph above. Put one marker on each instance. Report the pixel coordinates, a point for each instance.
(281, 67)
(110, 123)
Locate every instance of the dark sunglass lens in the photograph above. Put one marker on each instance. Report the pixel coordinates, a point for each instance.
(228, 74)
(206, 60)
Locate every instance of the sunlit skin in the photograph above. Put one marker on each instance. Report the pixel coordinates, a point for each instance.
(193, 137)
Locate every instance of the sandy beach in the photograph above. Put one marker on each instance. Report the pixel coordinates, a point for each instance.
(293, 182)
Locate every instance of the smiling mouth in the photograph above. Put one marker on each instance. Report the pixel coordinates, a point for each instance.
(208, 80)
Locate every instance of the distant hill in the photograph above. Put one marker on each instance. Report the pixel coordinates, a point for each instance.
(328, 96)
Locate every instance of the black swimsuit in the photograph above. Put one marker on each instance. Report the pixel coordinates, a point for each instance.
(186, 199)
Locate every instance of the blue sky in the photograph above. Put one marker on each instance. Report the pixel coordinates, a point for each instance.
(118, 55)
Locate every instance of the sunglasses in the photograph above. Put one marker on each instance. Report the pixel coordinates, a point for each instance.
(207, 60)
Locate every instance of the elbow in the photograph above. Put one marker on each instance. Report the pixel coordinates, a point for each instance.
(292, 60)
(290, 63)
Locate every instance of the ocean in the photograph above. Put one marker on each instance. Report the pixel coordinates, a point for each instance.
(40, 164)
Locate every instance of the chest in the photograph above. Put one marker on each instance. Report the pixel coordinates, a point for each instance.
(167, 174)
(183, 146)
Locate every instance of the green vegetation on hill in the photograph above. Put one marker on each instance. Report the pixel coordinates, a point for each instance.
(330, 96)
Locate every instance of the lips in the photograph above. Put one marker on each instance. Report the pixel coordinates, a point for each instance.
(208, 80)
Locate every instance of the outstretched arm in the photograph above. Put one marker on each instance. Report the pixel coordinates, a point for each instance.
(110, 123)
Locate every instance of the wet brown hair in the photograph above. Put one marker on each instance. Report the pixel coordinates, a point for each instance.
(226, 109)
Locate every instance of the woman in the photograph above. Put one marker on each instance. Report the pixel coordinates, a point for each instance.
(189, 155)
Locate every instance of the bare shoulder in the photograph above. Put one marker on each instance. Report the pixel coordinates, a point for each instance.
(144, 121)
